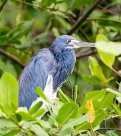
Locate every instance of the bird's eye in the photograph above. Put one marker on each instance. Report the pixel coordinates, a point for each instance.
(68, 41)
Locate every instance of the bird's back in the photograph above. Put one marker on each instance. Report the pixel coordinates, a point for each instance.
(35, 74)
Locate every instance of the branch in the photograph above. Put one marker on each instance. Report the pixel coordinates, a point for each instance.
(103, 19)
(3, 4)
(116, 72)
(113, 69)
(117, 129)
(106, 10)
(12, 57)
(83, 18)
(86, 54)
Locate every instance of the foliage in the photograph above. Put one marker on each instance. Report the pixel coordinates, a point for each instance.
(92, 106)
(60, 117)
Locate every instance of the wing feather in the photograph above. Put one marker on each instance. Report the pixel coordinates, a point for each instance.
(35, 74)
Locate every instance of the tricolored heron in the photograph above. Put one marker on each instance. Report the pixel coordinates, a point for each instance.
(48, 68)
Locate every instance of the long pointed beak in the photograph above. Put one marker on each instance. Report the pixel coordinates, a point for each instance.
(78, 44)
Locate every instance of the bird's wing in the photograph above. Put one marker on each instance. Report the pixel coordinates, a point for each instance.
(35, 74)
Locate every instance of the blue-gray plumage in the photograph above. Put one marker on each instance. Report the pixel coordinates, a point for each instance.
(57, 61)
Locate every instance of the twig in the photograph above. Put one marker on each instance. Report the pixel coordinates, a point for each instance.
(20, 127)
(103, 19)
(92, 131)
(83, 18)
(116, 72)
(106, 10)
(105, 123)
(86, 54)
(117, 129)
(12, 57)
(3, 4)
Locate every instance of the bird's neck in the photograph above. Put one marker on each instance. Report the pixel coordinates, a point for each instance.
(65, 64)
(66, 58)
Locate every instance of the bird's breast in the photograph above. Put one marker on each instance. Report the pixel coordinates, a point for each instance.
(69, 61)
(64, 68)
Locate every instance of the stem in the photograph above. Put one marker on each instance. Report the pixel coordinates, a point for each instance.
(20, 127)
(86, 54)
(84, 17)
(103, 19)
(91, 130)
(3, 4)
(115, 71)
(117, 129)
(12, 57)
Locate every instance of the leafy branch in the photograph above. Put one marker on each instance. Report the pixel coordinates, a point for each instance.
(3, 4)
(47, 8)
(83, 18)
(12, 57)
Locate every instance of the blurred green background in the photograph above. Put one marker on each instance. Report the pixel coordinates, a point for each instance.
(26, 26)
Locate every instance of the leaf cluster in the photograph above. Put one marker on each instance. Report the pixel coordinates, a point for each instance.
(62, 117)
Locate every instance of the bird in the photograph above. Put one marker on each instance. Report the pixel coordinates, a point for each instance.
(48, 69)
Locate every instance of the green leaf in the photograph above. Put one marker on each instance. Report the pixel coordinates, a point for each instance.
(38, 130)
(102, 45)
(80, 3)
(24, 114)
(109, 47)
(107, 58)
(47, 2)
(20, 30)
(116, 109)
(76, 121)
(27, 124)
(66, 132)
(91, 79)
(39, 113)
(56, 106)
(40, 92)
(7, 66)
(107, 101)
(45, 124)
(8, 93)
(96, 97)
(100, 116)
(3, 39)
(12, 133)
(66, 112)
(35, 108)
(5, 123)
(101, 37)
(63, 97)
(107, 51)
(113, 91)
(96, 69)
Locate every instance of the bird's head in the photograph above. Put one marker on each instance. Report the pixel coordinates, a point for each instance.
(66, 42)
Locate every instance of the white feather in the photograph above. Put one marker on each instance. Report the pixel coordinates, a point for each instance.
(48, 91)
